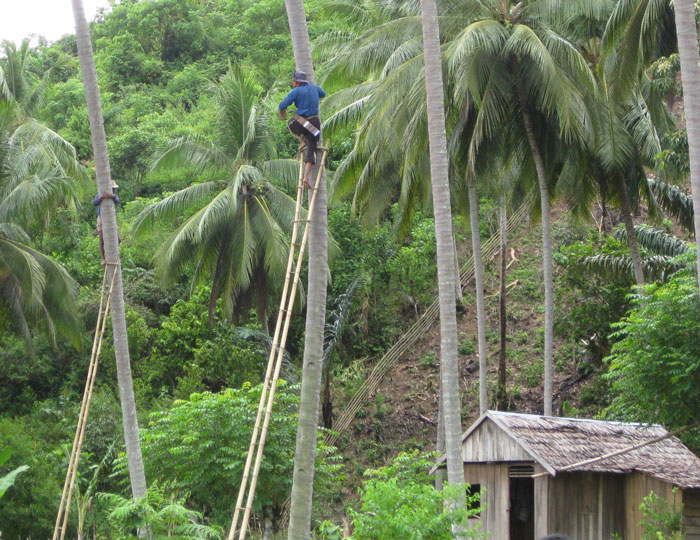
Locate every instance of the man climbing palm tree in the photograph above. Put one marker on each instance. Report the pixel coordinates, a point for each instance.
(97, 201)
(305, 125)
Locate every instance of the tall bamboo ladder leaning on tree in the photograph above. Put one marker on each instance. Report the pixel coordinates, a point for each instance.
(59, 531)
(279, 341)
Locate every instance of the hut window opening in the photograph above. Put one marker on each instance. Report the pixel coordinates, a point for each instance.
(474, 503)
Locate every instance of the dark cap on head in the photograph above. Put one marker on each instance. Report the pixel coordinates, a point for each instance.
(300, 76)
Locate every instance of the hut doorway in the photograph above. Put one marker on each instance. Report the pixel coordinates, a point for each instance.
(522, 509)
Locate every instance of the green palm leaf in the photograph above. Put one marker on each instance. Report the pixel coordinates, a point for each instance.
(656, 241)
(675, 202)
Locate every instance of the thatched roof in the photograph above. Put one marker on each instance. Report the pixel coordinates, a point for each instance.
(557, 442)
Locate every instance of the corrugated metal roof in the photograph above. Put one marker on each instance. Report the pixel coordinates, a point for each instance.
(558, 442)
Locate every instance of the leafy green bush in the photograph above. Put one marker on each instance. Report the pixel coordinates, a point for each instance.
(188, 355)
(654, 367)
(162, 515)
(400, 502)
(197, 448)
(28, 510)
(660, 520)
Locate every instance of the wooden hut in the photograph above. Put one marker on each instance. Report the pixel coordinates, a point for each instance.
(504, 452)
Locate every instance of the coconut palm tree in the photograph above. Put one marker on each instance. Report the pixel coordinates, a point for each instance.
(690, 76)
(39, 172)
(312, 370)
(628, 133)
(511, 65)
(234, 230)
(528, 82)
(442, 210)
(109, 227)
(640, 30)
(387, 54)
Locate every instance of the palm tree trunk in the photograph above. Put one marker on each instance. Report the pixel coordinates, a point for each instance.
(503, 241)
(479, 285)
(546, 252)
(449, 369)
(631, 233)
(111, 241)
(309, 407)
(690, 77)
(261, 300)
(440, 443)
(458, 282)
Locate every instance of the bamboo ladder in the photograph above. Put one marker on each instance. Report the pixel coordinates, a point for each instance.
(59, 531)
(274, 363)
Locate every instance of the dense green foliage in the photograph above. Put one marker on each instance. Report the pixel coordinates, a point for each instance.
(197, 449)
(654, 366)
(163, 515)
(661, 519)
(401, 501)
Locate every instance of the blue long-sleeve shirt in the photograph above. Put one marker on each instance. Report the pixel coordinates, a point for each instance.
(306, 97)
(97, 201)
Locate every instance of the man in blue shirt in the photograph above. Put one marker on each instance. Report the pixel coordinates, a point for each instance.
(97, 201)
(305, 125)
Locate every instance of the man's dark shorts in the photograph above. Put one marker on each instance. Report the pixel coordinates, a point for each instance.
(311, 141)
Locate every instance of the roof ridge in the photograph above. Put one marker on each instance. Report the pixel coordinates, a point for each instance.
(569, 419)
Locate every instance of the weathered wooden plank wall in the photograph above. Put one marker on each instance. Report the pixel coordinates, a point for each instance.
(493, 479)
(638, 486)
(489, 443)
(691, 514)
(581, 505)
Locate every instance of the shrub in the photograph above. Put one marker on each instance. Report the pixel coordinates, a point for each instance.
(400, 502)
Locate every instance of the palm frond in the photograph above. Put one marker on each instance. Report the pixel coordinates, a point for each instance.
(237, 99)
(282, 172)
(487, 36)
(193, 151)
(175, 205)
(17, 261)
(14, 232)
(675, 202)
(656, 241)
(656, 268)
(546, 84)
(4, 88)
(339, 316)
(271, 239)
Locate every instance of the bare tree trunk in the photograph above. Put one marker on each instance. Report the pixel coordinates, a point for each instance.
(111, 242)
(309, 407)
(546, 252)
(503, 246)
(631, 233)
(479, 286)
(261, 301)
(268, 528)
(445, 255)
(687, 32)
